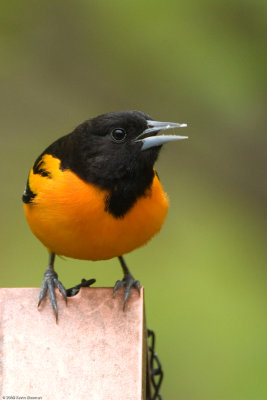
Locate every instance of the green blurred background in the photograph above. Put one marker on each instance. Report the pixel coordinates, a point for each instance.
(200, 62)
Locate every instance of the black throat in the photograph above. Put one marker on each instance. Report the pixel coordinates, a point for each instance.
(124, 194)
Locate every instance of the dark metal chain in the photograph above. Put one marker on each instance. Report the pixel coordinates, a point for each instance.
(155, 369)
(75, 289)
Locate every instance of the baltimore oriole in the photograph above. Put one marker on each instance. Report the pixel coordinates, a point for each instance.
(94, 194)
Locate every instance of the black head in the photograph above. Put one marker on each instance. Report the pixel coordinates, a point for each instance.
(108, 143)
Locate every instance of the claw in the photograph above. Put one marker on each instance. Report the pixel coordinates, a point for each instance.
(42, 292)
(128, 282)
(117, 285)
(61, 289)
(126, 295)
(138, 286)
(49, 283)
(52, 295)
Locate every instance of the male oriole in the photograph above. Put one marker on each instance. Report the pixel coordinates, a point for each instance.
(94, 194)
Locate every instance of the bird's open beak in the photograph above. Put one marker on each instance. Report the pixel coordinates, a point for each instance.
(148, 138)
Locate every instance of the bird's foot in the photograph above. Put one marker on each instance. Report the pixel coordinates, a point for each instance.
(128, 282)
(50, 282)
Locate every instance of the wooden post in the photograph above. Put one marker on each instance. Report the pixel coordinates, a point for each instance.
(95, 352)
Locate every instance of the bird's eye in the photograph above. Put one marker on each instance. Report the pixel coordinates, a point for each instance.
(118, 135)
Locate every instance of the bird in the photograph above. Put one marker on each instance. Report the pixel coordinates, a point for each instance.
(94, 194)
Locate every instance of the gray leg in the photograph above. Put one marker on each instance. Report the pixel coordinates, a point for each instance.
(51, 281)
(128, 282)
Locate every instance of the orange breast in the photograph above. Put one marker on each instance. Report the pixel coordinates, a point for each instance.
(68, 217)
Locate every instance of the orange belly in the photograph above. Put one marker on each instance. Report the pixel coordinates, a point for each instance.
(67, 215)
